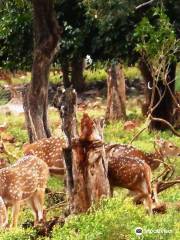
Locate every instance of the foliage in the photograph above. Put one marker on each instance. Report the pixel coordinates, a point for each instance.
(117, 219)
(178, 78)
(17, 234)
(15, 35)
(115, 22)
(95, 75)
(156, 41)
(78, 29)
(113, 219)
(132, 73)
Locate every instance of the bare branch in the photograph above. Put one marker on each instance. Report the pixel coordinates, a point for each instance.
(144, 4)
(167, 123)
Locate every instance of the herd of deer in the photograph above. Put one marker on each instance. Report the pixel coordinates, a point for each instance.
(26, 180)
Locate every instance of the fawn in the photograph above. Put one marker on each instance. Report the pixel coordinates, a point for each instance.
(164, 149)
(23, 181)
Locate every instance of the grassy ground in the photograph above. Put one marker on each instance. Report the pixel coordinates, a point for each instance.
(115, 218)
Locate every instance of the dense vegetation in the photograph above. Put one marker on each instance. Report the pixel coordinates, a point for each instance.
(115, 218)
(53, 38)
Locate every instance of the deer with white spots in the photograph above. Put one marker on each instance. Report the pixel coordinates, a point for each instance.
(50, 151)
(24, 181)
(134, 175)
(163, 149)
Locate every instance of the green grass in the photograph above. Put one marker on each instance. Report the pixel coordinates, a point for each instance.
(115, 218)
(178, 78)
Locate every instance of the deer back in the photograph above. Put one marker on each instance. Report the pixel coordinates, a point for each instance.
(48, 149)
(20, 180)
(127, 172)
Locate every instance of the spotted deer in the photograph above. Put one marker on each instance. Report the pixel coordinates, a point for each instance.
(163, 149)
(24, 181)
(50, 151)
(131, 173)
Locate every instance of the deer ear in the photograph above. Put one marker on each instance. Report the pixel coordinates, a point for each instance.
(159, 142)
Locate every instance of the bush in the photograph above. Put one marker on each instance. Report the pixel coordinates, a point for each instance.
(95, 75)
(117, 219)
(132, 73)
(18, 234)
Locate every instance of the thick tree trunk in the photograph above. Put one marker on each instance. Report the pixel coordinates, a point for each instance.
(46, 32)
(116, 95)
(77, 79)
(165, 108)
(85, 161)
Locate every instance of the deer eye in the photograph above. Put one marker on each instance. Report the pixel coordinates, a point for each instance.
(170, 146)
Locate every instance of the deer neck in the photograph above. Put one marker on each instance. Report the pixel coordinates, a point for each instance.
(158, 154)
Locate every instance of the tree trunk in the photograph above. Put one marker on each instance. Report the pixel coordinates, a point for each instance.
(65, 71)
(116, 95)
(165, 108)
(46, 32)
(77, 79)
(31, 133)
(86, 165)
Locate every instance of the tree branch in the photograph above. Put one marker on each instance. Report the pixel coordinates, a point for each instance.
(144, 4)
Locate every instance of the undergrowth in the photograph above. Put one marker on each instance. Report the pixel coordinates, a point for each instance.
(115, 218)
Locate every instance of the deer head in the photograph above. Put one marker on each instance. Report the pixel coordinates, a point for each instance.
(167, 148)
(91, 129)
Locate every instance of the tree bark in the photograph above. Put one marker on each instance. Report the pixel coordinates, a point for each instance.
(28, 120)
(85, 161)
(77, 78)
(46, 33)
(116, 95)
(65, 71)
(165, 108)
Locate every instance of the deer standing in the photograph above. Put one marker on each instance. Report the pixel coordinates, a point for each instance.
(23, 181)
(130, 168)
(50, 150)
(163, 149)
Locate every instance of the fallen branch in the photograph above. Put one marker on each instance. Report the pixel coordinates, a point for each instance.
(161, 186)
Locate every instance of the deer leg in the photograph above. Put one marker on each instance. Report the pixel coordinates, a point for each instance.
(3, 215)
(38, 200)
(35, 211)
(154, 193)
(15, 214)
(148, 203)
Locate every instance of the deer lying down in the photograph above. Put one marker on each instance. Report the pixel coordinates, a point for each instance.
(23, 181)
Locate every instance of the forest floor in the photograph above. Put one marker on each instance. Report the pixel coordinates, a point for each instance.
(115, 218)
